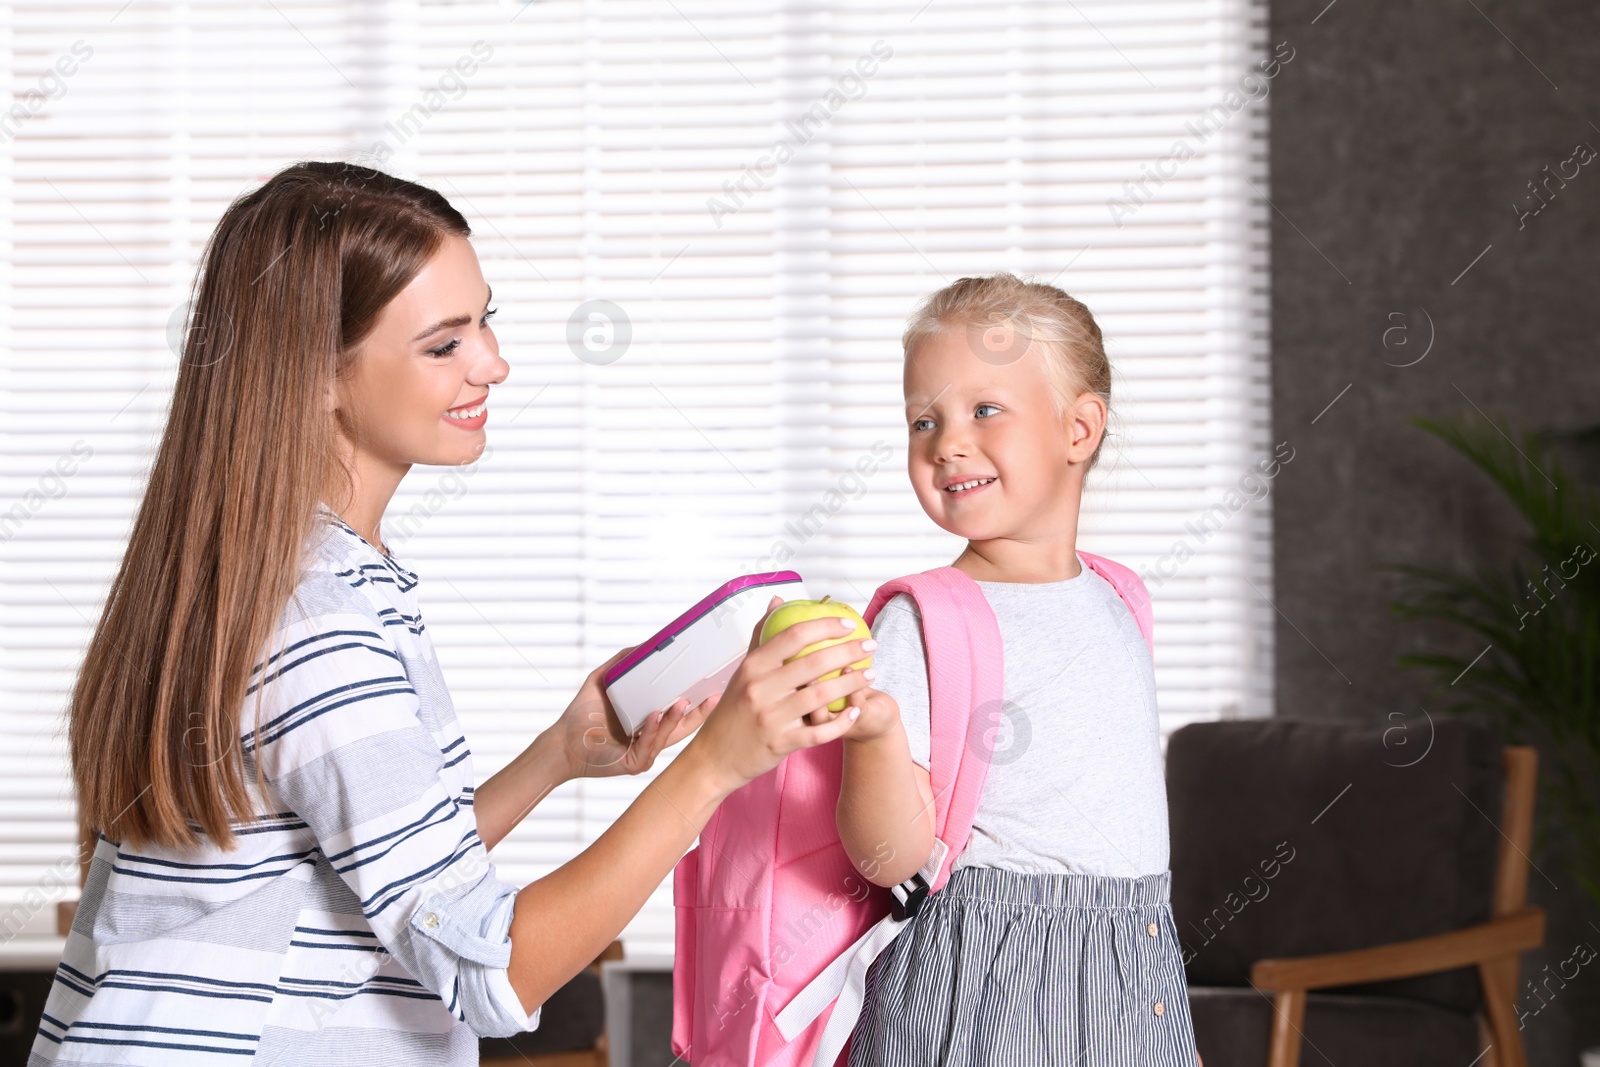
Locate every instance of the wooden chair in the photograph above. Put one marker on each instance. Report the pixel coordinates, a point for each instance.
(1494, 947)
(1367, 901)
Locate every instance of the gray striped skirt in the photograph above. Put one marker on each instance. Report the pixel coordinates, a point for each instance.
(1002, 968)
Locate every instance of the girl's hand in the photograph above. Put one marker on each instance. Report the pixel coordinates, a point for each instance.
(879, 713)
(762, 715)
(592, 738)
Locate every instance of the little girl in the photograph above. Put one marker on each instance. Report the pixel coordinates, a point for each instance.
(1053, 940)
(291, 862)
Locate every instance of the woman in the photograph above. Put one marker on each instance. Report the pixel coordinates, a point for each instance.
(291, 862)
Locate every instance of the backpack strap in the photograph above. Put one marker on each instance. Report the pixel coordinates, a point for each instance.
(966, 683)
(1130, 587)
(966, 678)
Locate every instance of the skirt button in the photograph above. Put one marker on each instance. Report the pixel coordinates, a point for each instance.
(1160, 1008)
(1151, 929)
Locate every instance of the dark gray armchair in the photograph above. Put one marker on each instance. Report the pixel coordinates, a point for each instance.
(1348, 901)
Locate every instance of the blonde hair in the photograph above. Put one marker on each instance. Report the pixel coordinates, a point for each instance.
(1011, 315)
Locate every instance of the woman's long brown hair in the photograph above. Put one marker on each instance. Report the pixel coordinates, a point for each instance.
(292, 280)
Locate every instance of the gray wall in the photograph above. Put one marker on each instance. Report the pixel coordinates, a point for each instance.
(1402, 134)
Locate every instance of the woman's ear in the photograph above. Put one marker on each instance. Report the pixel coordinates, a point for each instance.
(338, 393)
(1086, 424)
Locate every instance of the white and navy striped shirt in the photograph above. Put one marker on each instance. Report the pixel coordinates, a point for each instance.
(360, 920)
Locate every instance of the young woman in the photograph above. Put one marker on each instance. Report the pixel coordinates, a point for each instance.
(291, 856)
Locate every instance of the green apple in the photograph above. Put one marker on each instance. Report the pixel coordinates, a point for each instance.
(793, 611)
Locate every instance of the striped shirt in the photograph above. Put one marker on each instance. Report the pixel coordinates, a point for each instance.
(359, 919)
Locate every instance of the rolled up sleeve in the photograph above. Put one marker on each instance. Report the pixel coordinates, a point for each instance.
(470, 933)
(345, 748)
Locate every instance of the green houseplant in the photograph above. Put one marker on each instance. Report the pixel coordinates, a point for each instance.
(1528, 629)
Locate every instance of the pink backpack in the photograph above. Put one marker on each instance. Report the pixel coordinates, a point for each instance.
(775, 927)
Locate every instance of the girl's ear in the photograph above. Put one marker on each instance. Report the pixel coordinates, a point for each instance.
(1086, 424)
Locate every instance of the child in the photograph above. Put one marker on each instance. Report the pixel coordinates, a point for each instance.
(292, 862)
(1053, 940)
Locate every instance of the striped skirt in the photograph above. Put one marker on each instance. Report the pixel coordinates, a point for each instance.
(1003, 969)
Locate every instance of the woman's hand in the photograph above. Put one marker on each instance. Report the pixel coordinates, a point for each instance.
(585, 742)
(592, 738)
(762, 715)
(562, 920)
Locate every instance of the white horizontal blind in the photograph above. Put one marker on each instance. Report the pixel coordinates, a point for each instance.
(760, 192)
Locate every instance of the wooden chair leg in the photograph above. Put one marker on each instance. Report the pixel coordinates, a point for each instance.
(1288, 1016)
(1499, 978)
(1487, 1041)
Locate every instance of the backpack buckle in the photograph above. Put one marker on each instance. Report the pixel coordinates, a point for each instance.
(908, 897)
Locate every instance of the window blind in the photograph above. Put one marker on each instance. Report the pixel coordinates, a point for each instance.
(705, 225)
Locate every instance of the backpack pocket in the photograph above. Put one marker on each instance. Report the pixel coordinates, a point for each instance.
(685, 900)
(719, 972)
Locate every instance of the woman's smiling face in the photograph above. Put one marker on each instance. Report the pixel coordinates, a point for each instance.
(990, 454)
(431, 357)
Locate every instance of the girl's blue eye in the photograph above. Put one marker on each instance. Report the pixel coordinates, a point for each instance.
(978, 412)
(487, 315)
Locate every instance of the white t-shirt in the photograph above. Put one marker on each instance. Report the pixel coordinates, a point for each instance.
(1075, 780)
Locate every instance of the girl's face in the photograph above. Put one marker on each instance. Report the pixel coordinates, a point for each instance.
(994, 424)
(431, 358)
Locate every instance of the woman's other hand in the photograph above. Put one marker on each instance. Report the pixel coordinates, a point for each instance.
(592, 736)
